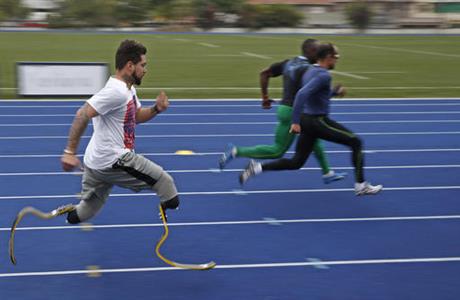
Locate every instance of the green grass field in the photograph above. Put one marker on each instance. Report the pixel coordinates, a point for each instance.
(227, 66)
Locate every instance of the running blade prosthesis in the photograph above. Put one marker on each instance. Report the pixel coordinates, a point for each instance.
(42, 215)
(200, 267)
(68, 208)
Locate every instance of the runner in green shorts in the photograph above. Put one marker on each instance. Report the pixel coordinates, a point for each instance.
(292, 71)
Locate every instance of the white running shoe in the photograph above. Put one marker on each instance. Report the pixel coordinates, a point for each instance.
(365, 188)
(252, 169)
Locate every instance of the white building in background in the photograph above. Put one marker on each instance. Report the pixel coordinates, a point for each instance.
(40, 9)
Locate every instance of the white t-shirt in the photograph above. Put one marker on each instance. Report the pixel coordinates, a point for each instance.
(114, 127)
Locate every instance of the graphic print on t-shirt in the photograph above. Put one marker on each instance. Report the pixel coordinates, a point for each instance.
(129, 124)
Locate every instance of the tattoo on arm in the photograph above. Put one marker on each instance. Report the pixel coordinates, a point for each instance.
(79, 124)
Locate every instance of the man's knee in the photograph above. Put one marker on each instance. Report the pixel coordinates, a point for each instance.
(85, 210)
(72, 217)
(172, 203)
(165, 187)
(356, 143)
(296, 163)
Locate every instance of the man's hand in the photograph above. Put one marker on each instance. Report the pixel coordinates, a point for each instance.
(70, 162)
(162, 102)
(340, 90)
(295, 128)
(267, 103)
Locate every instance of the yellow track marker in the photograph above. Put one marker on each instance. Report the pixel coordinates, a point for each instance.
(86, 226)
(185, 152)
(93, 271)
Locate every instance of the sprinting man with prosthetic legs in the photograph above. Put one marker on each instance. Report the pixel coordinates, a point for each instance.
(310, 118)
(292, 71)
(110, 159)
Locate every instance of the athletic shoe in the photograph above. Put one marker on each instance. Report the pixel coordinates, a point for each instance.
(229, 154)
(252, 169)
(333, 176)
(365, 188)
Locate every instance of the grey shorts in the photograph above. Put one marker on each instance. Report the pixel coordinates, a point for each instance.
(131, 171)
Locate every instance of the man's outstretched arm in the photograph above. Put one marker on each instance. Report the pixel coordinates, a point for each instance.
(69, 159)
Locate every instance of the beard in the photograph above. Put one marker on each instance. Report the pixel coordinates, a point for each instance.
(136, 79)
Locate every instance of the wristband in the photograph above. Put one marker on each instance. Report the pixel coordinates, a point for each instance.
(155, 109)
(67, 151)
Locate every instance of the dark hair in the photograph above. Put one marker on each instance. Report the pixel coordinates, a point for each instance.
(307, 45)
(129, 50)
(326, 49)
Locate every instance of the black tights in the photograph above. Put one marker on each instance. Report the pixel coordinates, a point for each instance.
(320, 127)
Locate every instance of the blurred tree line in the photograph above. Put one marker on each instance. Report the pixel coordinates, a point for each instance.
(206, 14)
(12, 10)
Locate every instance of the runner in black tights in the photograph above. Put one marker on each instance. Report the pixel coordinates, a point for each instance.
(310, 119)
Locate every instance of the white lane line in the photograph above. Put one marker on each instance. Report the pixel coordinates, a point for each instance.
(182, 40)
(239, 170)
(256, 55)
(223, 88)
(379, 72)
(244, 266)
(44, 137)
(236, 123)
(225, 55)
(201, 100)
(404, 88)
(209, 45)
(373, 151)
(334, 104)
(252, 192)
(346, 74)
(258, 114)
(247, 222)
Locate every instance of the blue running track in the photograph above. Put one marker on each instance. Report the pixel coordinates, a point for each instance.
(285, 235)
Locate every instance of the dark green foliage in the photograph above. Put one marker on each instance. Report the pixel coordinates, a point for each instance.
(359, 14)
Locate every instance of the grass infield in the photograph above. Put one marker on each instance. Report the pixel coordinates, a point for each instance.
(228, 66)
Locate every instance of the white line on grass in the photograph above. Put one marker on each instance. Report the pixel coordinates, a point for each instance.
(248, 222)
(6, 174)
(225, 55)
(233, 192)
(404, 50)
(258, 88)
(256, 55)
(209, 45)
(244, 266)
(379, 72)
(373, 151)
(404, 88)
(346, 74)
